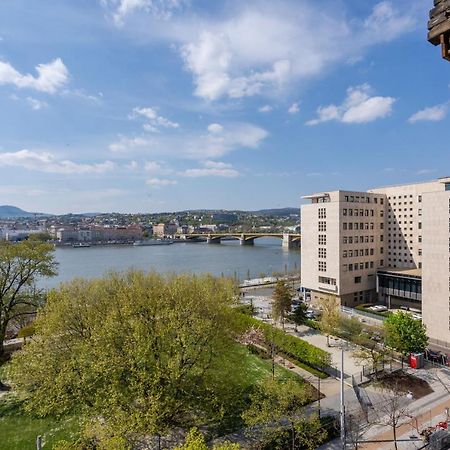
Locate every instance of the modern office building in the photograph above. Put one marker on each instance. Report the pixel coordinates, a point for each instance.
(390, 245)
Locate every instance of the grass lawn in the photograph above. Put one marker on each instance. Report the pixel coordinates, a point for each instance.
(19, 429)
(260, 369)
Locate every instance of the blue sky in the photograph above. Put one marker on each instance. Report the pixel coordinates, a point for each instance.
(158, 105)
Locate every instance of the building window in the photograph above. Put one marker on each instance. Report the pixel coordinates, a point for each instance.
(322, 213)
(326, 280)
(322, 252)
(322, 226)
(357, 280)
(322, 266)
(322, 239)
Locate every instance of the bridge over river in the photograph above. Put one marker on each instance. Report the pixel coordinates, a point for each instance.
(289, 240)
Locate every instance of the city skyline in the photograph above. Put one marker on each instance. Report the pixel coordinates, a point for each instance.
(165, 105)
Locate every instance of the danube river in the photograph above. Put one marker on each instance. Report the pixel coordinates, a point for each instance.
(228, 258)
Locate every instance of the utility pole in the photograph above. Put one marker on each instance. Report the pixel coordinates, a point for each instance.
(342, 409)
(319, 395)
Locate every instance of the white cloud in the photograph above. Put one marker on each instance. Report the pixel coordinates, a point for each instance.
(151, 166)
(36, 104)
(231, 57)
(386, 23)
(265, 109)
(132, 165)
(212, 168)
(162, 9)
(294, 108)
(217, 141)
(358, 107)
(215, 128)
(154, 121)
(51, 77)
(425, 171)
(126, 144)
(49, 163)
(160, 182)
(432, 114)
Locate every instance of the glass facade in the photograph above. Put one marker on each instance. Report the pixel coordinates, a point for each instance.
(402, 286)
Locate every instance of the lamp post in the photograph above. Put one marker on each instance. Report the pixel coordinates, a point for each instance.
(342, 408)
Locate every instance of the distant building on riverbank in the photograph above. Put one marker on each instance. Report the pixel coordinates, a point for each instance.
(97, 234)
(165, 229)
(388, 244)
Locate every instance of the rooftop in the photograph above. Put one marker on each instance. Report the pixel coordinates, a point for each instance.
(407, 272)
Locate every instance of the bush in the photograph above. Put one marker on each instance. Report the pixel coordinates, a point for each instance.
(26, 331)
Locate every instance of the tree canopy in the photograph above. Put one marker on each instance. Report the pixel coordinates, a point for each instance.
(282, 301)
(277, 403)
(331, 318)
(21, 264)
(404, 333)
(144, 352)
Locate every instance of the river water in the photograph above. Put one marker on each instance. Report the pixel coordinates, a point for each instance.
(228, 258)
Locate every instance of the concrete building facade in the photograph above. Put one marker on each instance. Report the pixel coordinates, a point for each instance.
(389, 244)
(342, 245)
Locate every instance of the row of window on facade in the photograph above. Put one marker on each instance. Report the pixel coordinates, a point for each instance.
(359, 225)
(327, 280)
(360, 266)
(360, 252)
(402, 238)
(394, 197)
(359, 239)
(360, 212)
(360, 199)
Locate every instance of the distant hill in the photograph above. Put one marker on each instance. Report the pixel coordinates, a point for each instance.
(262, 212)
(8, 211)
(278, 211)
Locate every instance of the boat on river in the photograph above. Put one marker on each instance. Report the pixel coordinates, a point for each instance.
(147, 242)
(81, 245)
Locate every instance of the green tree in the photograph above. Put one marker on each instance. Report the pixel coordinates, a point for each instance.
(143, 352)
(275, 401)
(42, 236)
(21, 265)
(282, 301)
(350, 328)
(310, 433)
(405, 334)
(299, 314)
(371, 352)
(196, 441)
(330, 318)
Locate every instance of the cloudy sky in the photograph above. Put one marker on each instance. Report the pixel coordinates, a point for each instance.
(156, 105)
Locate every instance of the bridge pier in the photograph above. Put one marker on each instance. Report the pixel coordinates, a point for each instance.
(289, 243)
(244, 241)
(213, 240)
